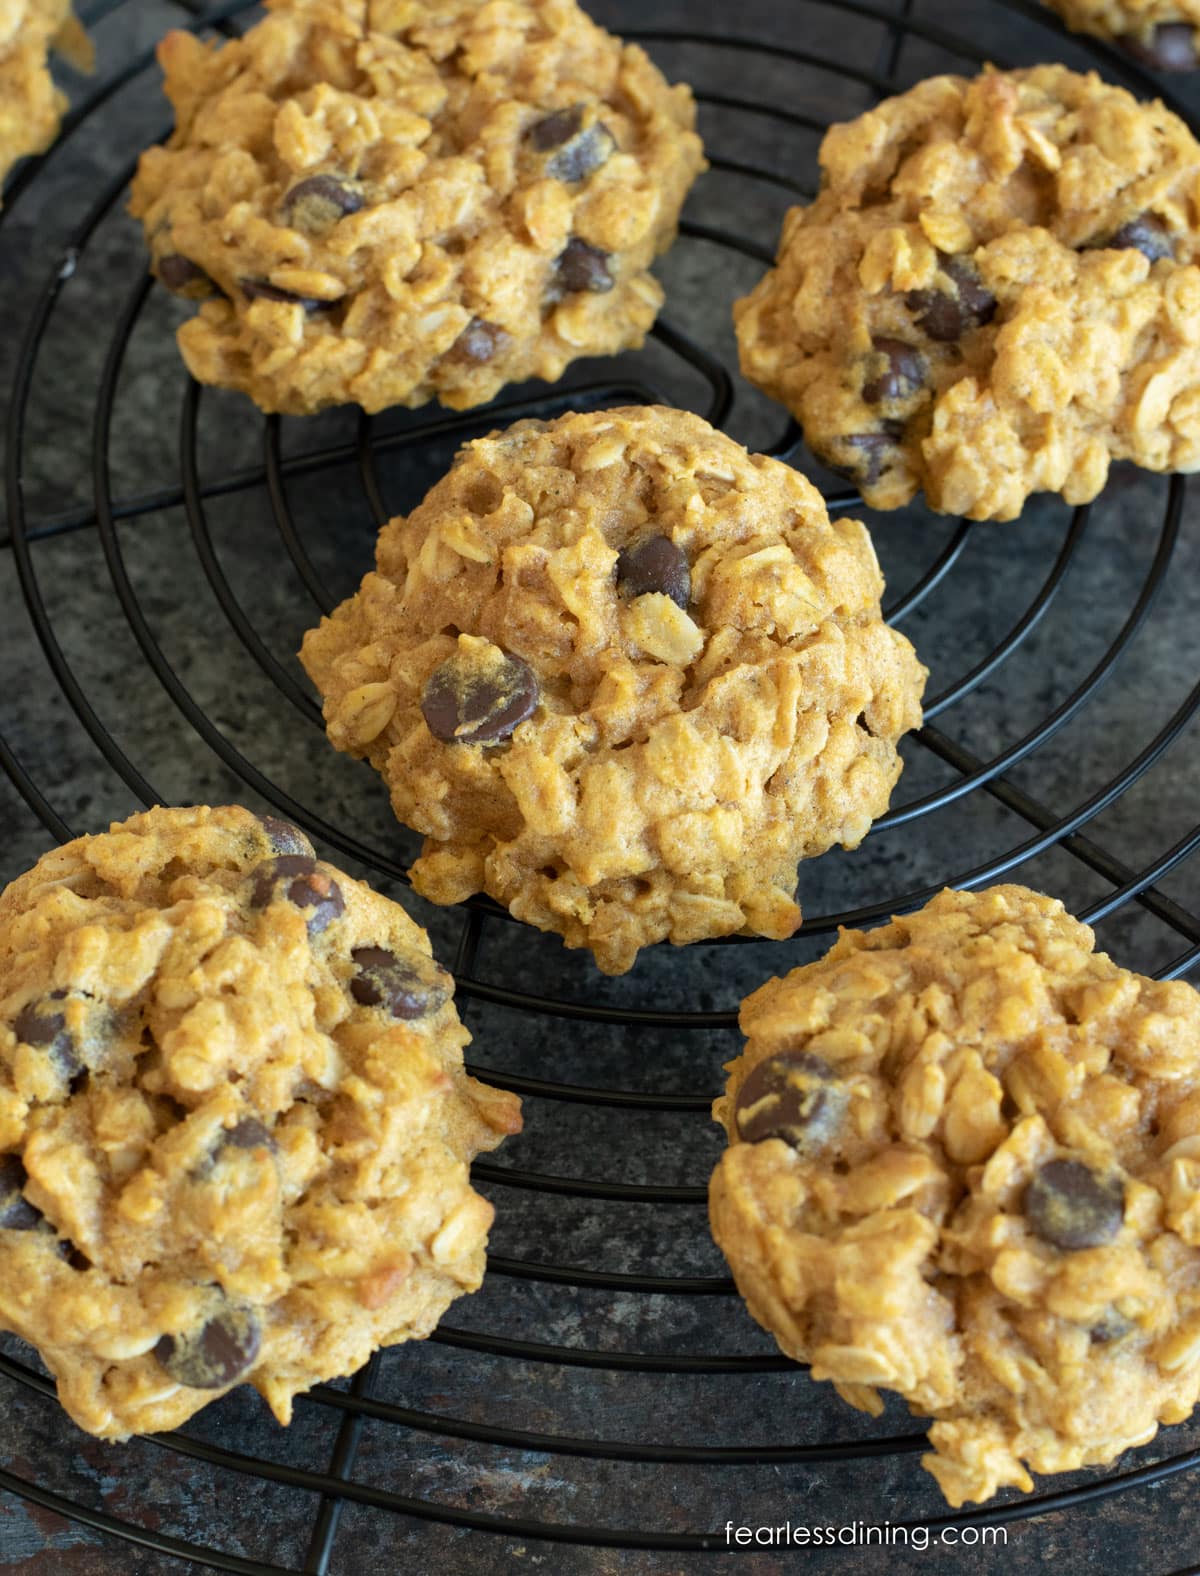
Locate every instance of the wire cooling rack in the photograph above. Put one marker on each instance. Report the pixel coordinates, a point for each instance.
(164, 589)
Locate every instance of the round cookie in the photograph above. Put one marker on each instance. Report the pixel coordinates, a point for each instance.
(31, 107)
(1161, 34)
(965, 1166)
(622, 675)
(235, 1126)
(384, 202)
(995, 293)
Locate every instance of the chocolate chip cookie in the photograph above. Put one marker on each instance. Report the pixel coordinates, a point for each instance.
(384, 202)
(994, 294)
(235, 1126)
(965, 1166)
(622, 675)
(31, 107)
(1161, 34)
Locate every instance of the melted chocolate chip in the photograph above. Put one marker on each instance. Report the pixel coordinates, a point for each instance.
(249, 1133)
(1171, 47)
(183, 276)
(41, 1024)
(1070, 1207)
(407, 986)
(480, 341)
(264, 290)
(946, 317)
(299, 880)
(583, 267)
(16, 1212)
(898, 370)
(1110, 1328)
(864, 455)
(576, 151)
(464, 703)
(655, 565)
(318, 203)
(285, 838)
(1146, 234)
(220, 1352)
(789, 1096)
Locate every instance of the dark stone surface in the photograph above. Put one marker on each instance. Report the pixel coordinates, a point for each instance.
(979, 601)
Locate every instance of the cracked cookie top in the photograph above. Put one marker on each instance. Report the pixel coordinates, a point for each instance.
(995, 293)
(965, 1166)
(234, 1123)
(385, 202)
(622, 675)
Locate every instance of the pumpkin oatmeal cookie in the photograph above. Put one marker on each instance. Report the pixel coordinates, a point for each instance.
(31, 107)
(965, 1166)
(994, 294)
(1162, 34)
(622, 675)
(384, 202)
(234, 1123)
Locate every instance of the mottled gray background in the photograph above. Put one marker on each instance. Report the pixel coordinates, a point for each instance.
(972, 609)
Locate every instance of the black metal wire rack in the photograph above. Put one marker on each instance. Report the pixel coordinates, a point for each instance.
(273, 522)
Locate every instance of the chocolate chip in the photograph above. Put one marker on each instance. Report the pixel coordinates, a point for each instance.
(183, 276)
(655, 565)
(479, 342)
(862, 456)
(16, 1212)
(411, 986)
(1171, 47)
(299, 880)
(583, 267)
(1069, 1206)
(249, 1133)
(1147, 234)
(317, 203)
(945, 316)
(577, 150)
(1110, 1328)
(220, 1352)
(898, 371)
(41, 1025)
(285, 838)
(264, 290)
(72, 1255)
(467, 703)
(789, 1096)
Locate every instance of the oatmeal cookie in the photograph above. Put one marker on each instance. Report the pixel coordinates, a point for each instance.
(384, 202)
(965, 1166)
(622, 675)
(234, 1122)
(995, 293)
(1162, 34)
(31, 107)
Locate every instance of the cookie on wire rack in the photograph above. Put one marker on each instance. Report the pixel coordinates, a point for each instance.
(964, 1165)
(995, 293)
(622, 675)
(385, 202)
(1161, 34)
(235, 1127)
(31, 107)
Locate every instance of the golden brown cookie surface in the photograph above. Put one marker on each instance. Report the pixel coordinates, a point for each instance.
(235, 1127)
(622, 675)
(385, 202)
(31, 107)
(995, 293)
(965, 1166)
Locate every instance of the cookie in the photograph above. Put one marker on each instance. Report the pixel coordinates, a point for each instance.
(994, 294)
(235, 1126)
(391, 202)
(1161, 34)
(965, 1166)
(622, 675)
(31, 107)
